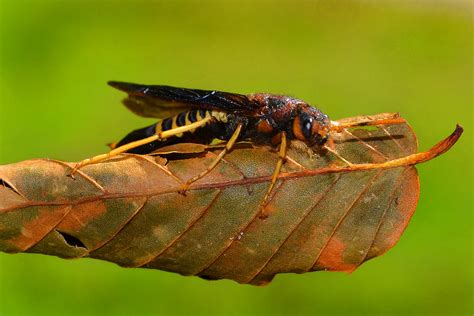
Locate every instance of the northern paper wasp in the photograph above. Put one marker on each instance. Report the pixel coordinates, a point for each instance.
(200, 116)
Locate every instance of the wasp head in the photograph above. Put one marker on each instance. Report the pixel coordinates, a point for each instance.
(311, 126)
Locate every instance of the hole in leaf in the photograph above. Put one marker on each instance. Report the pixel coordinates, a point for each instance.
(71, 240)
(7, 185)
(208, 277)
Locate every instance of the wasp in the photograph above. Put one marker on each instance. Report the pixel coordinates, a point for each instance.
(201, 116)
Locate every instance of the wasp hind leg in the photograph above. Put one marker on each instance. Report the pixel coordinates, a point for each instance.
(276, 173)
(126, 147)
(114, 152)
(228, 147)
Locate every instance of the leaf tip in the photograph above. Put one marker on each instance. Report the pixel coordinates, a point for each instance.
(446, 144)
(453, 138)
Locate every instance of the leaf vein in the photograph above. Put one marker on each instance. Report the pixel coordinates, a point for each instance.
(330, 187)
(403, 149)
(161, 167)
(134, 214)
(53, 228)
(80, 172)
(343, 217)
(399, 183)
(364, 143)
(181, 235)
(243, 228)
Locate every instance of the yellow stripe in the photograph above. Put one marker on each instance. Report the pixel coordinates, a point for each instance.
(206, 115)
(173, 124)
(186, 119)
(158, 128)
(186, 128)
(189, 127)
(220, 116)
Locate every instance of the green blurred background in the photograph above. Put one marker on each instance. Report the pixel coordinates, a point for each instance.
(348, 57)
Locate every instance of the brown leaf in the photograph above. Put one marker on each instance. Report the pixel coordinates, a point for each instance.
(323, 215)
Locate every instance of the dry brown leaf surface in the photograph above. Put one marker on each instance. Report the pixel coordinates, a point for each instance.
(128, 210)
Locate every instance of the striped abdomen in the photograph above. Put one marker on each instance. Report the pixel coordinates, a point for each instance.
(186, 118)
(204, 134)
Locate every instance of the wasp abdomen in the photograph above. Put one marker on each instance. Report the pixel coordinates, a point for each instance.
(203, 134)
(189, 117)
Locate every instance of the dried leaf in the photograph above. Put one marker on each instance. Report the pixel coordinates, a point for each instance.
(323, 215)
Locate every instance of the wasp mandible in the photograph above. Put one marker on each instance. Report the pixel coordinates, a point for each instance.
(200, 116)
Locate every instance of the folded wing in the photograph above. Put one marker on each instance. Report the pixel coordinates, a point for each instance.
(164, 101)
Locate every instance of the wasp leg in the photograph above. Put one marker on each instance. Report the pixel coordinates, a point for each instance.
(131, 145)
(114, 152)
(281, 158)
(228, 147)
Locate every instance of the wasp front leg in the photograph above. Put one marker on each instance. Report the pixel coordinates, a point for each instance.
(276, 173)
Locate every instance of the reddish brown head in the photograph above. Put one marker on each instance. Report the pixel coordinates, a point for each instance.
(311, 125)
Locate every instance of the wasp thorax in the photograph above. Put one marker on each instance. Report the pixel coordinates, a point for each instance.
(311, 126)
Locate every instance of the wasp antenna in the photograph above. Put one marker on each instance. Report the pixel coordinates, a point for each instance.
(339, 126)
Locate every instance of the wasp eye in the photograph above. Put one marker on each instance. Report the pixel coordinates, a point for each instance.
(307, 127)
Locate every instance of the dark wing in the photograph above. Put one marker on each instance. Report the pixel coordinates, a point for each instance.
(165, 101)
